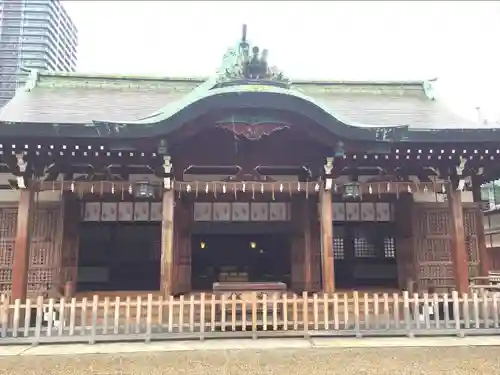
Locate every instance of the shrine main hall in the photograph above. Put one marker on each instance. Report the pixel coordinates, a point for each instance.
(170, 185)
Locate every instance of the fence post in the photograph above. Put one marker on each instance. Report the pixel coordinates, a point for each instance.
(27, 318)
(62, 316)
(407, 314)
(254, 315)
(39, 317)
(93, 327)
(17, 317)
(149, 317)
(305, 314)
(357, 327)
(495, 309)
(4, 314)
(202, 316)
(456, 313)
(485, 309)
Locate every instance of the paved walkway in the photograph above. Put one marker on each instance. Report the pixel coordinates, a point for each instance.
(248, 344)
(325, 357)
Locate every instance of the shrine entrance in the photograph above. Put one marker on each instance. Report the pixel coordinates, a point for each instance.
(365, 256)
(119, 256)
(240, 258)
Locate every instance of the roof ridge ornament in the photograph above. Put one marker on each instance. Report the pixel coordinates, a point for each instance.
(243, 65)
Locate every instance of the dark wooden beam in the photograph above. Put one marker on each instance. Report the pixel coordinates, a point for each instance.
(458, 246)
(21, 259)
(167, 243)
(326, 222)
(485, 262)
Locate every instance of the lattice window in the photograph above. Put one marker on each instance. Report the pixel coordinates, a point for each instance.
(6, 252)
(8, 221)
(434, 222)
(39, 253)
(338, 248)
(389, 247)
(40, 279)
(364, 248)
(471, 235)
(470, 222)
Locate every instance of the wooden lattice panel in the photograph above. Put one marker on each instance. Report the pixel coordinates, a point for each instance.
(44, 251)
(8, 227)
(470, 225)
(433, 245)
(433, 248)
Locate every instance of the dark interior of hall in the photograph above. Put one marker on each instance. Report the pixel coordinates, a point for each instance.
(239, 257)
(119, 256)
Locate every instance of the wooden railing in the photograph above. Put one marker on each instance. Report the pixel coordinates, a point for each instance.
(203, 316)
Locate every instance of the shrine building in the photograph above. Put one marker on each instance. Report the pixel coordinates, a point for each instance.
(166, 184)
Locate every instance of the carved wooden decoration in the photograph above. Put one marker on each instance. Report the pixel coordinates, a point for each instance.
(109, 211)
(155, 211)
(141, 211)
(241, 211)
(252, 131)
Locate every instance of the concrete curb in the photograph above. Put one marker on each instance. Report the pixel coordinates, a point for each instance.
(246, 344)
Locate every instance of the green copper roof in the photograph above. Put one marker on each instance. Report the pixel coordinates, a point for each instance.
(83, 98)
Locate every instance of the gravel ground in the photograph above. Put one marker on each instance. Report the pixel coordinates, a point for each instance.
(403, 361)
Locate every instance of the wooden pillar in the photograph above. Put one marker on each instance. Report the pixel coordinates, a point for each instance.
(458, 246)
(167, 242)
(326, 222)
(297, 248)
(306, 212)
(71, 217)
(485, 263)
(405, 251)
(21, 259)
(182, 248)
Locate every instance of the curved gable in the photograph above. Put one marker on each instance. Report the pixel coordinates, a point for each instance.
(202, 101)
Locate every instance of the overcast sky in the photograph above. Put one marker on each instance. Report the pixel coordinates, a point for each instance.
(455, 41)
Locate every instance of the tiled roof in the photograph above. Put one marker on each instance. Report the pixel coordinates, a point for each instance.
(81, 98)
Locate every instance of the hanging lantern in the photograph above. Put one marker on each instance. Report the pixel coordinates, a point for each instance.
(144, 190)
(352, 191)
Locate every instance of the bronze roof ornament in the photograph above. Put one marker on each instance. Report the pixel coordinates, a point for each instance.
(245, 65)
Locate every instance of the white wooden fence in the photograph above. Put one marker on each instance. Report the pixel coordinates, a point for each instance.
(207, 316)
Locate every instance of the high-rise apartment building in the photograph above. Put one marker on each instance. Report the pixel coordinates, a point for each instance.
(34, 34)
